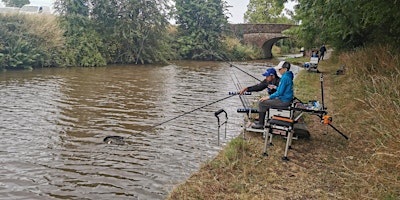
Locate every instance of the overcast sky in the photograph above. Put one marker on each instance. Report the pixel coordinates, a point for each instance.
(237, 10)
(36, 2)
(239, 7)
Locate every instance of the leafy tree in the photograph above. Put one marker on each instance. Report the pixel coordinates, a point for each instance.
(266, 11)
(201, 24)
(66, 7)
(83, 44)
(15, 3)
(348, 24)
(129, 31)
(134, 31)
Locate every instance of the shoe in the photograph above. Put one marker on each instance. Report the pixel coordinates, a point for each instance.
(258, 126)
(261, 118)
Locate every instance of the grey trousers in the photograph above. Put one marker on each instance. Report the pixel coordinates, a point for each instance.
(263, 106)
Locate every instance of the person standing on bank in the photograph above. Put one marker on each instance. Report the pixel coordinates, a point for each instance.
(281, 98)
(322, 51)
(271, 82)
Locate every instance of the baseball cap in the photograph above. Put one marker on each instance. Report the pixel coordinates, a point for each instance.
(283, 64)
(269, 72)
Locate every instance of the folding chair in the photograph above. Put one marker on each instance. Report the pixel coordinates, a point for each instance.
(313, 64)
(279, 121)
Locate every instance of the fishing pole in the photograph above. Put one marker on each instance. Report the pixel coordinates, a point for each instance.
(232, 65)
(238, 86)
(120, 140)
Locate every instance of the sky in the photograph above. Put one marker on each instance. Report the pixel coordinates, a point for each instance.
(237, 10)
(37, 2)
(239, 7)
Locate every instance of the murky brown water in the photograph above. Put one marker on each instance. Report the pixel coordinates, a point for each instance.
(53, 122)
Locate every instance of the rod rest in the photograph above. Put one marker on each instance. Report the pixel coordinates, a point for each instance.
(219, 112)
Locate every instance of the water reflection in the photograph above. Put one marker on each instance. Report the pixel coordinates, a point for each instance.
(54, 121)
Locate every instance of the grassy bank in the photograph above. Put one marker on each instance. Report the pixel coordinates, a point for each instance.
(364, 104)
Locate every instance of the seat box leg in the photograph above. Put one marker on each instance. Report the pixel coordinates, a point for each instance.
(266, 132)
(270, 139)
(288, 141)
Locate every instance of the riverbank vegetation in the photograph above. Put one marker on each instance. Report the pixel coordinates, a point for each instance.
(30, 41)
(364, 104)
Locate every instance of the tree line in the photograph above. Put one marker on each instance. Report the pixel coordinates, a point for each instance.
(95, 33)
(347, 25)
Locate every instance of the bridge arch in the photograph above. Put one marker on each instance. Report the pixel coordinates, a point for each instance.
(262, 36)
(264, 41)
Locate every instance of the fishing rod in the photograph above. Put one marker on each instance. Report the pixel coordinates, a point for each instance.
(113, 139)
(232, 65)
(238, 86)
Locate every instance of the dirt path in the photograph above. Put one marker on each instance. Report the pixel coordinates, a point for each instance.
(328, 54)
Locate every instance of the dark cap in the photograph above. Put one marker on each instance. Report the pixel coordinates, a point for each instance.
(269, 72)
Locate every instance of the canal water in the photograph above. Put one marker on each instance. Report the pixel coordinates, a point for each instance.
(53, 121)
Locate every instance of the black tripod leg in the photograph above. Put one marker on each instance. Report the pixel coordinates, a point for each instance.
(338, 131)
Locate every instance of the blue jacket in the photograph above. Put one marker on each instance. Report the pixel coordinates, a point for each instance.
(285, 89)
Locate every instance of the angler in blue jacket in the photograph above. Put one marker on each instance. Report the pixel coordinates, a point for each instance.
(281, 98)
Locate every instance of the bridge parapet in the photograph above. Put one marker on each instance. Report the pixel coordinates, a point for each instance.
(260, 28)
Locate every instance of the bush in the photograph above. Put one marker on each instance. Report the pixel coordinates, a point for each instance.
(32, 41)
(237, 51)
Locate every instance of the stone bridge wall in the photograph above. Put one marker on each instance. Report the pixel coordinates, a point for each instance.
(261, 35)
(259, 28)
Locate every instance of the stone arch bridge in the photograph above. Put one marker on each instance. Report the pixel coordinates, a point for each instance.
(261, 35)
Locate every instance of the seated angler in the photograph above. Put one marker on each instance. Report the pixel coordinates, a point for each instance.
(281, 98)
